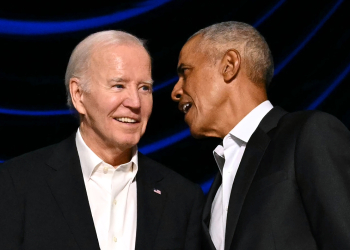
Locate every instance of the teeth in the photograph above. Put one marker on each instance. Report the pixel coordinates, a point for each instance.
(186, 107)
(125, 119)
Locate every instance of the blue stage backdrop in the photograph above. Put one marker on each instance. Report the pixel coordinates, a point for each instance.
(309, 40)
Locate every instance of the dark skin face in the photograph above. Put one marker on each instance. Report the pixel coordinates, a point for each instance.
(214, 96)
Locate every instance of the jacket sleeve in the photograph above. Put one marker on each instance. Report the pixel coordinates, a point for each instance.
(193, 233)
(11, 213)
(322, 164)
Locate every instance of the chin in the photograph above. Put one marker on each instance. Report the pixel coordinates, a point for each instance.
(199, 132)
(131, 143)
(196, 133)
(127, 143)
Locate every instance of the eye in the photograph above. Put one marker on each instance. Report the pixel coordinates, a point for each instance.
(184, 70)
(146, 88)
(119, 86)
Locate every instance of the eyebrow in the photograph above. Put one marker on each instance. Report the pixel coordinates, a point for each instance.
(148, 82)
(120, 79)
(117, 79)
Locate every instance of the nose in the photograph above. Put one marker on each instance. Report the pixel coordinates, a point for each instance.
(177, 92)
(133, 99)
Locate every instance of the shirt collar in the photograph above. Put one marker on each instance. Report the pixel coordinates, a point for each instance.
(242, 132)
(219, 157)
(246, 127)
(89, 160)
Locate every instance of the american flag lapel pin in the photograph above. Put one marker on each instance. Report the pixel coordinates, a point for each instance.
(157, 191)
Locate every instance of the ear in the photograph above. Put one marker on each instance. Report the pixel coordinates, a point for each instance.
(230, 64)
(77, 94)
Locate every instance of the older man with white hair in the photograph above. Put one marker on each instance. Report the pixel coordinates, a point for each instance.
(94, 190)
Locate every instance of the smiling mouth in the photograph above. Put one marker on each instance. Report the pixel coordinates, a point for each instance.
(186, 107)
(125, 120)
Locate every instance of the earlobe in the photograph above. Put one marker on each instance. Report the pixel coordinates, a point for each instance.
(76, 94)
(231, 63)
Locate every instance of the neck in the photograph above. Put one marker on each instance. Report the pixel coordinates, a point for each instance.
(111, 154)
(246, 97)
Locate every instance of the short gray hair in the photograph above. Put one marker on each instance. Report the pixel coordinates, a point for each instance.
(256, 55)
(79, 60)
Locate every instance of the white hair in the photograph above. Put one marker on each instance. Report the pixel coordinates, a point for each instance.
(80, 58)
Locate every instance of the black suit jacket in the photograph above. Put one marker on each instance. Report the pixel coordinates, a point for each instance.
(44, 204)
(292, 188)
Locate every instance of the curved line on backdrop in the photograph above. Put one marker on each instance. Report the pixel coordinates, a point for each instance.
(308, 38)
(153, 147)
(15, 27)
(268, 14)
(172, 80)
(66, 111)
(164, 143)
(186, 133)
(330, 89)
(35, 112)
(157, 87)
(280, 67)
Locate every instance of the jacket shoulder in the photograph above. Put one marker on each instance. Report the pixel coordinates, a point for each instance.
(25, 160)
(32, 160)
(309, 116)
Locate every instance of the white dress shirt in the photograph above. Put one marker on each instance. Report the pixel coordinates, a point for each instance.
(231, 154)
(112, 197)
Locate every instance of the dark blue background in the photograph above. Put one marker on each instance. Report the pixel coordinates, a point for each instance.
(309, 40)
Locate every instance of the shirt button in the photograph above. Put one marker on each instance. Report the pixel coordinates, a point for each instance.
(105, 170)
(115, 202)
(115, 239)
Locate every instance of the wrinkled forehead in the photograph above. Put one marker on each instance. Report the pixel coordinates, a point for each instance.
(120, 53)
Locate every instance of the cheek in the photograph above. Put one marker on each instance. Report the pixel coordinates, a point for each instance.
(112, 102)
(146, 106)
(113, 98)
(93, 107)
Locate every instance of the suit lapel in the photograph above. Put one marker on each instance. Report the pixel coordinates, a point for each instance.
(206, 215)
(254, 151)
(253, 154)
(209, 200)
(68, 188)
(150, 204)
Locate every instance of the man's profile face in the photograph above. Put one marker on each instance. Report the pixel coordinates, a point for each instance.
(199, 91)
(119, 101)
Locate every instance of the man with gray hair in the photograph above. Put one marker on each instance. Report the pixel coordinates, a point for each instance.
(94, 190)
(284, 178)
